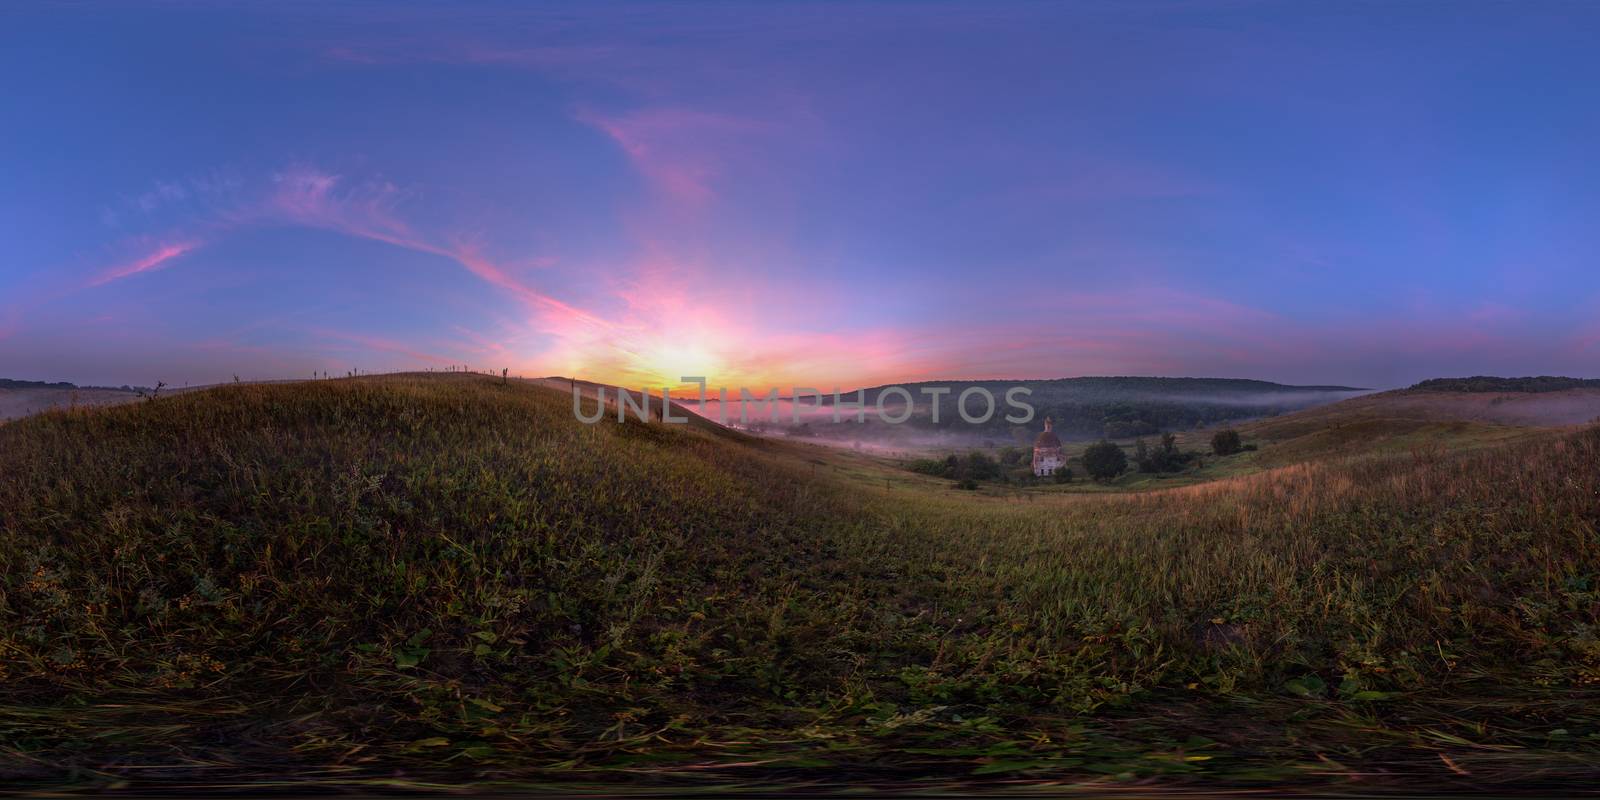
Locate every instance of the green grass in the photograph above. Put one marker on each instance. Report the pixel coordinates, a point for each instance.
(414, 581)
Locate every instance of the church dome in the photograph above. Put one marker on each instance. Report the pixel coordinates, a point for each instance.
(1047, 437)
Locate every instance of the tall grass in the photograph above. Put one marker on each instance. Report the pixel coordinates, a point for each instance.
(449, 576)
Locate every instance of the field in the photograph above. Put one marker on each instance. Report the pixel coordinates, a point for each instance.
(414, 581)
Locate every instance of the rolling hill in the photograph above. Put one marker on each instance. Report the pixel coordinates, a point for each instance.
(406, 580)
(1407, 419)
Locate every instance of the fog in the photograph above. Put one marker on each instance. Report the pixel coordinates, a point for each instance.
(1082, 407)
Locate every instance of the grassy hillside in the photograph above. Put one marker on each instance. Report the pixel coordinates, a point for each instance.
(392, 581)
(1403, 421)
(1487, 383)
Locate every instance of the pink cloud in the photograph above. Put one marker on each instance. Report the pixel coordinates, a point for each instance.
(313, 198)
(156, 258)
(483, 345)
(316, 199)
(680, 151)
(304, 196)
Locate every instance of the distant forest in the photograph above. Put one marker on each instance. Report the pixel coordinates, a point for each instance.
(8, 383)
(1487, 383)
(11, 383)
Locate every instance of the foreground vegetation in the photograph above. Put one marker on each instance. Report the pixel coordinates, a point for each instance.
(406, 581)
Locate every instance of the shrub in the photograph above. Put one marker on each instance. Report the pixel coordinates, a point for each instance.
(978, 466)
(975, 466)
(1015, 455)
(1226, 442)
(1062, 475)
(1104, 460)
(1167, 458)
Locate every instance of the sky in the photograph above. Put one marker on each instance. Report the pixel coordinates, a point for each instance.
(800, 194)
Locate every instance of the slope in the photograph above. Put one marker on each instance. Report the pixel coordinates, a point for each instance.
(1406, 420)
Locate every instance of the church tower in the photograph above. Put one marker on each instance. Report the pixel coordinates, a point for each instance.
(1047, 457)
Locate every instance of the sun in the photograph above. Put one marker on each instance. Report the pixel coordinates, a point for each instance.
(669, 362)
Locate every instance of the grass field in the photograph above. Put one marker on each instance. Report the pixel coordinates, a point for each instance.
(413, 581)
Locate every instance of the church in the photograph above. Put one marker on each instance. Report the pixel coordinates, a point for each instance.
(1047, 457)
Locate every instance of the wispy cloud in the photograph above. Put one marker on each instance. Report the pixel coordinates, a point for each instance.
(158, 257)
(681, 151)
(305, 196)
(373, 209)
(317, 199)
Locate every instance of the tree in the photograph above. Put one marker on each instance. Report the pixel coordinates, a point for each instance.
(1104, 460)
(979, 467)
(1062, 475)
(1226, 442)
(1166, 458)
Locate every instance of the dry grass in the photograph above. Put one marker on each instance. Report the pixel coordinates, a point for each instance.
(417, 579)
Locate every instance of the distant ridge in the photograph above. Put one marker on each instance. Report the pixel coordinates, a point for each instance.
(1136, 383)
(1084, 408)
(1489, 383)
(12, 383)
(8, 383)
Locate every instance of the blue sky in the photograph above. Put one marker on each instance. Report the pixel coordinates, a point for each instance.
(816, 194)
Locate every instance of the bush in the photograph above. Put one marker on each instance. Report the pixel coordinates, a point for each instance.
(1226, 442)
(1167, 458)
(978, 466)
(1013, 455)
(975, 467)
(1062, 475)
(1104, 460)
